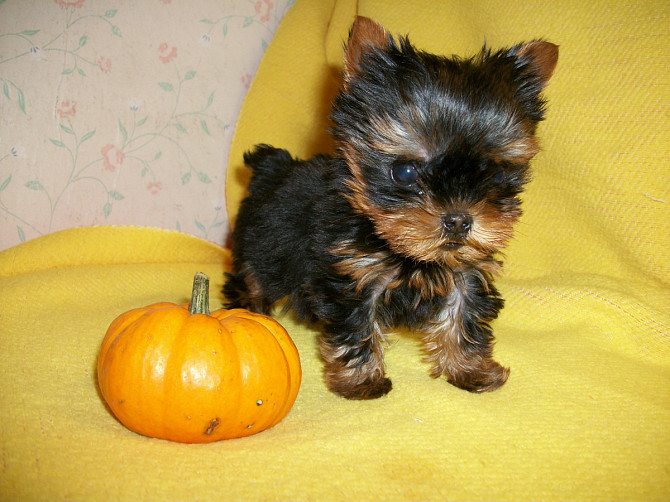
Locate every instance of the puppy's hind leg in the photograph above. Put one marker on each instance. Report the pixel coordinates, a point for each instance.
(242, 290)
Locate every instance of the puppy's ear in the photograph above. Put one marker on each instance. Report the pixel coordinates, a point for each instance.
(540, 57)
(535, 63)
(364, 36)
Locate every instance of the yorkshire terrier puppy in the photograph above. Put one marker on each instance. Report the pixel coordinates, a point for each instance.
(403, 225)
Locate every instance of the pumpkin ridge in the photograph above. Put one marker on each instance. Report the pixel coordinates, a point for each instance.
(287, 347)
(228, 424)
(271, 418)
(281, 411)
(172, 379)
(154, 353)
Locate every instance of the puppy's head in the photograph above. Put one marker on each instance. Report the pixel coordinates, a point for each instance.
(438, 148)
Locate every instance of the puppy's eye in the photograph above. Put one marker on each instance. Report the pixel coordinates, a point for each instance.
(404, 174)
(498, 177)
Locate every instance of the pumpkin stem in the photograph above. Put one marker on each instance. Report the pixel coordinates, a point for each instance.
(200, 296)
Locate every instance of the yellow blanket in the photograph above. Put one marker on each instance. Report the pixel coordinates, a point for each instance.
(586, 330)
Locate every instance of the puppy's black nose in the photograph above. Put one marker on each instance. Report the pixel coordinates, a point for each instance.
(457, 225)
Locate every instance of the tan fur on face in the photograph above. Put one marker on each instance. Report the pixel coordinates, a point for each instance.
(400, 139)
(404, 139)
(491, 229)
(518, 151)
(416, 231)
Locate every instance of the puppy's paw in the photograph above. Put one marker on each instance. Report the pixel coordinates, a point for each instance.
(484, 376)
(368, 389)
(366, 381)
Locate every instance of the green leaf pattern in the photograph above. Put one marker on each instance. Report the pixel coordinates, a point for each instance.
(126, 153)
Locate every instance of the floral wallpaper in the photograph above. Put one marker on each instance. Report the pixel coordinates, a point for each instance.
(122, 112)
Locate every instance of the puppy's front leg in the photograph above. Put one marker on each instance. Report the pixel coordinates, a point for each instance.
(354, 355)
(459, 342)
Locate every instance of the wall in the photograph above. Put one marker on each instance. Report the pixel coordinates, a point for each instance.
(122, 112)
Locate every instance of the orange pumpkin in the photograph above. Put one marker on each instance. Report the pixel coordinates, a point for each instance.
(178, 372)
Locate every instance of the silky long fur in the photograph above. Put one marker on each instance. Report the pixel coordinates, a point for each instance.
(403, 225)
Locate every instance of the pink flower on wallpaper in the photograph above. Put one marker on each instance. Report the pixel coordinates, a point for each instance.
(112, 156)
(166, 53)
(66, 109)
(104, 64)
(263, 8)
(155, 187)
(66, 4)
(246, 80)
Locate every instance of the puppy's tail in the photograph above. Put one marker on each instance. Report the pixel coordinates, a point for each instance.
(266, 161)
